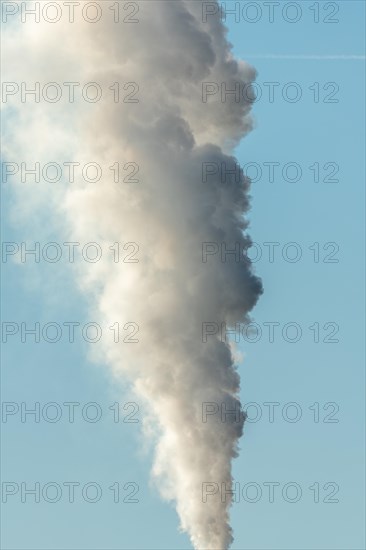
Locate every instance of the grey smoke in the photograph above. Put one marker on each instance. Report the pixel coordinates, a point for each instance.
(170, 292)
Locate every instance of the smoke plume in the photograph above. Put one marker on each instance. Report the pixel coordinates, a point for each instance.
(169, 213)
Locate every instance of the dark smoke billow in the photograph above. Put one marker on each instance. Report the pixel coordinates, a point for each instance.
(170, 292)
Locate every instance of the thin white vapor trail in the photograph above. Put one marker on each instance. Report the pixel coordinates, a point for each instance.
(336, 57)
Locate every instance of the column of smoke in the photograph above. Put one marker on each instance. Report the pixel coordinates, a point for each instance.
(170, 292)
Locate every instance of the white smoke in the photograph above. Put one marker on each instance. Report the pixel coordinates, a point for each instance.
(170, 292)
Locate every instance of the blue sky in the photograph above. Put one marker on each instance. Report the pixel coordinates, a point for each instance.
(323, 290)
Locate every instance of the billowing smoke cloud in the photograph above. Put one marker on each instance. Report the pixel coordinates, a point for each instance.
(170, 291)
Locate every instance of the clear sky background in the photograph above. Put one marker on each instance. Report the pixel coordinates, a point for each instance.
(311, 290)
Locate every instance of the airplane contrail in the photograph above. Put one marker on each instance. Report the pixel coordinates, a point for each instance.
(336, 57)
